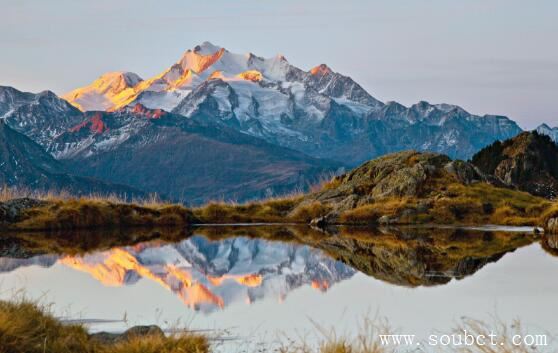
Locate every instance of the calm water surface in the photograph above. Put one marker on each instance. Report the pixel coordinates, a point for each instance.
(255, 290)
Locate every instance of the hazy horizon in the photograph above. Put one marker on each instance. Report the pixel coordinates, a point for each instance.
(489, 58)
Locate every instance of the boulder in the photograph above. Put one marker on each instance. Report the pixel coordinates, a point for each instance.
(11, 211)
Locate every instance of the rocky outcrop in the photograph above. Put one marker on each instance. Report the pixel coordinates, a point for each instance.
(468, 174)
(528, 162)
(407, 174)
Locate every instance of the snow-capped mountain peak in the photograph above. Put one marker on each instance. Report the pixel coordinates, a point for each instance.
(206, 48)
(106, 92)
(306, 110)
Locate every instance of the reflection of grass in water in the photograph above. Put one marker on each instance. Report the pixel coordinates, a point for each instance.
(410, 257)
(78, 242)
(27, 327)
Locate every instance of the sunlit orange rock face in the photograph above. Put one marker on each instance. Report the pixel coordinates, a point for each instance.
(320, 70)
(108, 91)
(95, 124)
(116, 90)
(251, 75)
(112, 267)
(198, 62)
(185, 79)
(148, 113)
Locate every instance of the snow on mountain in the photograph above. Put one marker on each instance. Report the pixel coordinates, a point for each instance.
(318, 112)
(267, 90)
(110, 90)
(41, 116)
(544, 129)
(11, 99)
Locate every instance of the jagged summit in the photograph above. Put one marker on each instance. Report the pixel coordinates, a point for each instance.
(208, 61)
(321, 70)
(206, 48)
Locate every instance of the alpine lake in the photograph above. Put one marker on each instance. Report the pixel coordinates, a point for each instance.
(260, 287)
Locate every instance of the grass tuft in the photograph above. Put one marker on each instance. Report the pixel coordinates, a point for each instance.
(26, 327)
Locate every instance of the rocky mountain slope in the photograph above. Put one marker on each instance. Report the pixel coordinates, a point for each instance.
(185, 159)
(319, 112)
(528, 161)
(24, 164)
(41, 116)
(155, 151)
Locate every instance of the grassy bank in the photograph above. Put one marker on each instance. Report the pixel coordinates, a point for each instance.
(454, 204)
(20, 210)
(26, 327)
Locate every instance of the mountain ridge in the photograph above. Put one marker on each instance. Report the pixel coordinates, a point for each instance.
(102, 144)
(319, 112)
(216, 162)
(25, 165)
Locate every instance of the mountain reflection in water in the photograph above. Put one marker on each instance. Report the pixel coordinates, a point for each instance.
(214, 267)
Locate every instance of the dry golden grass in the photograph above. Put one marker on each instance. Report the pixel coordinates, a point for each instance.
(452, 203)
(273, 210)
(157, 344)
(100, 213)
(26, 327)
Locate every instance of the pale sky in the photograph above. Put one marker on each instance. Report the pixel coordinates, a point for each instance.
(488, 56)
